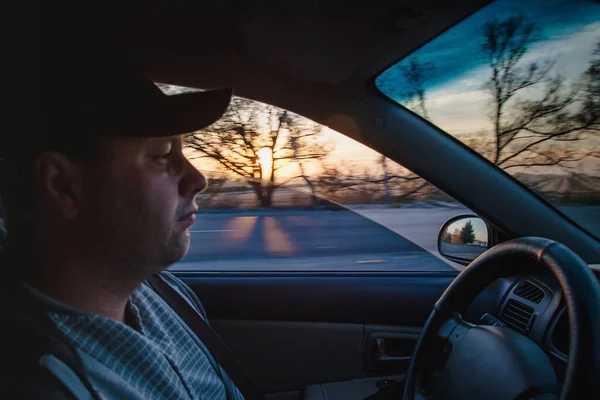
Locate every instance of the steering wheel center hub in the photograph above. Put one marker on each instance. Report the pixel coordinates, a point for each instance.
(496, 363)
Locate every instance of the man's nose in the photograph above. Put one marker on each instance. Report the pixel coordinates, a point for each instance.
(192, 182)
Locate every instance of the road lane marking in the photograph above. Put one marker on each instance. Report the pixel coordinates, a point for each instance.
(370, 262)
(326, 247)
(216, 230)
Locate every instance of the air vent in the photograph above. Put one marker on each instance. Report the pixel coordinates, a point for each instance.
(528, 291)
(517, 315)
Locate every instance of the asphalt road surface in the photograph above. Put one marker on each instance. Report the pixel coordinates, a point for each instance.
(302, 240)
(369, 239)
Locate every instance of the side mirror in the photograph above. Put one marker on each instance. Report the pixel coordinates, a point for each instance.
(463, 238)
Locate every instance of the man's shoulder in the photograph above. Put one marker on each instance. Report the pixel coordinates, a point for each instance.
(31, 336)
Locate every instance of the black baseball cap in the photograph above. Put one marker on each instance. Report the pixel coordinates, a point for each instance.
(81, 81)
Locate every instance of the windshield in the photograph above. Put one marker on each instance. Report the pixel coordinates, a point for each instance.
(518, 82)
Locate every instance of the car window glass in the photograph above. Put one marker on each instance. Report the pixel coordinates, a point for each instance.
(519, 82)
(286, 193)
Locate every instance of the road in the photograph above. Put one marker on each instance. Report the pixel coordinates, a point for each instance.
(328, 240)
(307, 240)
(421, 225)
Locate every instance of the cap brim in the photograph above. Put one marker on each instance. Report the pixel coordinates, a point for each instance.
(185, 113)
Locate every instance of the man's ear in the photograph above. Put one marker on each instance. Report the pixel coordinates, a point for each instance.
(59, 183)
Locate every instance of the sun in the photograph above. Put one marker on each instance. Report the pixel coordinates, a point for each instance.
(265, 159)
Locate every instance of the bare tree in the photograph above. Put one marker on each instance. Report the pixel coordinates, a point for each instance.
(396, 179)
(589, 114)
(255, 141)
(416, 75)
(344, 181)
(589, 96)
(535, 117)
(386, 181)
(303, 173)
(337, 180)
(406, 83)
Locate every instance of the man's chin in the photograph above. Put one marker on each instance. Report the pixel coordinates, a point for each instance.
(176, 251)
(182, 248)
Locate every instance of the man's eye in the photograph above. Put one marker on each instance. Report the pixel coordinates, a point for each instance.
(163, 157)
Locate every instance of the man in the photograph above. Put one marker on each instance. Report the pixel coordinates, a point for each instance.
(98, 197)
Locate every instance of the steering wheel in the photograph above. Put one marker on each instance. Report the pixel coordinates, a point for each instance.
(493, 362)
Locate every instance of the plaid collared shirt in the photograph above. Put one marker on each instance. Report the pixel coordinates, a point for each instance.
(158, 358)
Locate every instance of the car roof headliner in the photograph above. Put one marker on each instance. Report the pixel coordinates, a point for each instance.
(274, 50)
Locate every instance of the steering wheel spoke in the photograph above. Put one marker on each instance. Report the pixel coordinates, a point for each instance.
(448, 336)
(453, 331)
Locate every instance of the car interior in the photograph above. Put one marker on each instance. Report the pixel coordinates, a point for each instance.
(528, 307)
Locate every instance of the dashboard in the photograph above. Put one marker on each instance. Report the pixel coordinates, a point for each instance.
(531, 304)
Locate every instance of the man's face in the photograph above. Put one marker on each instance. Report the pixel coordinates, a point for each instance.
(137, 207)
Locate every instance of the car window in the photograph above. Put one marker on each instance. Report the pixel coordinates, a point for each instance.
(519, 82)
(288, 194)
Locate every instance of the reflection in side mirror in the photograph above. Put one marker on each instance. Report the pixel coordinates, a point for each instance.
(463, 238)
